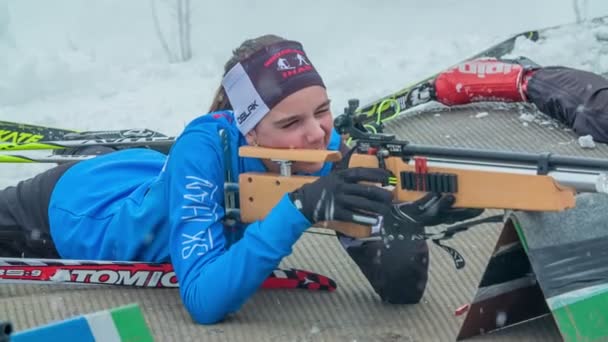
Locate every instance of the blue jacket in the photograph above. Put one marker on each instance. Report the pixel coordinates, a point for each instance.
(139, 205)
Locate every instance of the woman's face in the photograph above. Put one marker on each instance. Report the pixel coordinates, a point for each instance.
(302, 120)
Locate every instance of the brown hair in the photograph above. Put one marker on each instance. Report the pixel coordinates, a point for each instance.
(246, 49)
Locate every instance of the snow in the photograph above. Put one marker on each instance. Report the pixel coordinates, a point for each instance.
(575, 47)
(586, 141)
(99, 64)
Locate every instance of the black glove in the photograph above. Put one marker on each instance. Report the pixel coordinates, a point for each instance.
(433, 209)
(430, 210)
(338, 197)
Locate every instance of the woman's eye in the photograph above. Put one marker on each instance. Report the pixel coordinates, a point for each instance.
(290, 124)
(322, 112)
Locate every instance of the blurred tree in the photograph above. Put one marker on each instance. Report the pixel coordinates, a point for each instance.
(580, 9)
(180, 48)
(6, 36)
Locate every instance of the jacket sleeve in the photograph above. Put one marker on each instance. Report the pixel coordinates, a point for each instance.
(215, 281)
(576, 98)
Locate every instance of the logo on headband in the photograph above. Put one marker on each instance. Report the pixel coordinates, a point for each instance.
(245, 114)
(289, 62)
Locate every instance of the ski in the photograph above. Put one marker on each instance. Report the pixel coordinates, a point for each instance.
(54, 158)
(134, 274)
(14, 132)
(69, 144)
(406, 98)
(401, 100)
(18, 132)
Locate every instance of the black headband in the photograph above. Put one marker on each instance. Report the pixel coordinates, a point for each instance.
(258, 83)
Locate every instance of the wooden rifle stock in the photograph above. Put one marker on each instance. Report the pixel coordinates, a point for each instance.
(260, 192)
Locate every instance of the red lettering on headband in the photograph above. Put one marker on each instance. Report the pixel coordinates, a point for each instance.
(279, 54)
(289, 73)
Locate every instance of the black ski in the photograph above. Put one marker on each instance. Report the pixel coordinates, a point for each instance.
(19, 133)
(21, 136)
(408, 97)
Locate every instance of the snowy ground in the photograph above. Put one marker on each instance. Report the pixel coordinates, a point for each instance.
(99, 64)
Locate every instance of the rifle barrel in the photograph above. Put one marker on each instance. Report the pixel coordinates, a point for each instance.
(553, 160)
(582, 174)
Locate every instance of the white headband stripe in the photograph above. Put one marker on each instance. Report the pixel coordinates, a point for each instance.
(248, 106)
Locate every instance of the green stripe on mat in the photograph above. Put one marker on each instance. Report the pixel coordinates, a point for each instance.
(582, 315)
(102, 326)
(572, 297)
(131, 324)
